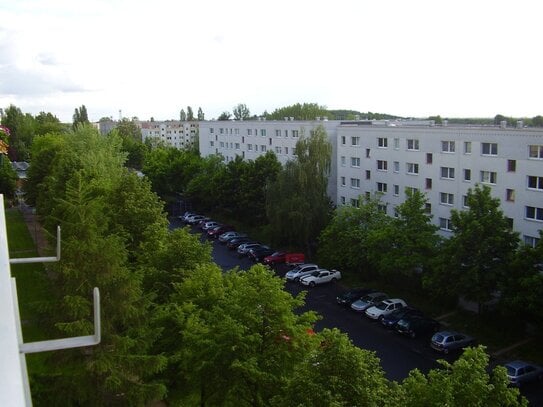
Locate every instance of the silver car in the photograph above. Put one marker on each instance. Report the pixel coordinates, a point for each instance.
(301, 270)
(448, 341)
(367, 301)
(520, 372)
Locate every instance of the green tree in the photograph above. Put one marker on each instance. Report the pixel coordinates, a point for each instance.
(130, 134)
(336, 373)
(537, 121)
(200, 114)
(190, 114)
(182, 115)
(241, 112)
(48, 123)
(464, 383)
(298, 206)
(8, 178)
(224, 116)
(22, 129)
(80, 117)
(476, 256)
(306, 111)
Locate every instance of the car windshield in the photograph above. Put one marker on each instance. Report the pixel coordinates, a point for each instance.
(511, 371)
(402, 322)
(315, 273)
(438, 338)
(381, 306)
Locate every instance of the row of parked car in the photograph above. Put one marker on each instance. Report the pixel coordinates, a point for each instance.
(396, 314)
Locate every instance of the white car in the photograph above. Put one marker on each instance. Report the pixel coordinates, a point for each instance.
(385, 307)
(230, 235)
(243, 249)
(300, 271)
(320, 276)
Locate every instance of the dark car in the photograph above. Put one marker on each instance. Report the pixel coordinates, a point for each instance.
(390, 320)
(417, 325)
(234, 243)
(448, 341)
(520, 372)
(348, 297)
(257, 254)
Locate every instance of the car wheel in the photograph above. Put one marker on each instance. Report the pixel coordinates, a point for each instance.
(297, 279)
(380, 319)
(334, 280)
(311, 284)
(446, 351)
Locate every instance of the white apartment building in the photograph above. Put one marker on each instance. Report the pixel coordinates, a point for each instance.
(174, 133)
(386, 157)
(250, 139)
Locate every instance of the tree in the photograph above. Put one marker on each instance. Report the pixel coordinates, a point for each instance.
(8, 178)
(48, 123)
(224, 116)
(464, 383)
(190, 114)
(483, 243)
(307, 111)
(22, 129)
(537, 121)
(499, 118)
(80, 117)
(200, 114)
(241, 112)
(130, 134)
(298, 206)
(336, 373)
(182, 115)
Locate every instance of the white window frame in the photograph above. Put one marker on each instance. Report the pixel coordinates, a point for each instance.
(413, 144)
(537, 213)
(489, 177)
(355, 183)
(342, 180)
(412, 168)
(446, 198)
(492, 149)
(382, 165)
(535, 152)
(446, 172)
(448, 146)
(355, 141)
(538, 183)
(382, 142)
(355, 162)
(382, 187)
(445, 224)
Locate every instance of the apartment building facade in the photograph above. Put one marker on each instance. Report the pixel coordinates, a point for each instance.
(174, 133)
(386, 158)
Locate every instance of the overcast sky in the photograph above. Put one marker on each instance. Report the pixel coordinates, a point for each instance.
(458, 58)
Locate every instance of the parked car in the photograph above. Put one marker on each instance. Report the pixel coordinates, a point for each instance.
(186, 215)
(257, 254)
(210, 224)
(367, 301)
(320, 276)
(194, 219)
(520, 372)
(243, 249)
(284, 257)
(201, 223)
(385, 307)
(448, 341)
(417, 325)
(226, 236)
(219, 230)
(234, 243)
(348, 297)
(390, 320)
(300, 270)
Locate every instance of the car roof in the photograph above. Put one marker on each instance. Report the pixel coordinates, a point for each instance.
(448, 333)
(518, 363)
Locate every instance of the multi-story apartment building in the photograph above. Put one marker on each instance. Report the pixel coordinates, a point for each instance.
(385, 158)
(174, 133)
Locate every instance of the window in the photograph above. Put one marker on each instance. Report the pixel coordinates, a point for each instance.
(396, 166)
(396, 190)
(286, 150)
(382, 208)
(237, 146)
(489, 148)
(221, 130)
(511, 165)
(382, 187)
(256, 147)
(249, 132)
(510, 195)
(413, 144)
(446, 198)
(278, 150)
(382, 165)
(467, 147)
(534, 213)
(342, 181)
(343, 200)
(428, 183)
(342, 140)
(412, 168)
(263, 148)
(270, 140)
(488, 177)
(447, 173)
(465, 201)
(211, 130)
(382, 142)
(445, 224)
(249, 147)
(343, 161)
(411, 190)
(355, 161)
(211, 143)
(447, 146)
(263, 132)
(531, 240)
(277, 133)
(355, 202)
(428, 207)
(396, 144)
(355, 141)
(429, 158)
(535, 182)
(467, 174)
(536, 152)
(222, 144)
(355, 183)
(368, 174)
(367, 153)
(295, 133)
(286, 133)
(243, 139)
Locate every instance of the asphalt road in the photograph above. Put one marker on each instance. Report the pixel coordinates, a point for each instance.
(398, 354)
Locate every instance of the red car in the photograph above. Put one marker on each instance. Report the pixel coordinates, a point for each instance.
(284, 257)
(219, 230)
